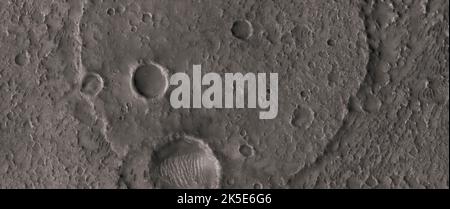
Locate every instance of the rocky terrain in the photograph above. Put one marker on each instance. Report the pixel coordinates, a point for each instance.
(363, 94)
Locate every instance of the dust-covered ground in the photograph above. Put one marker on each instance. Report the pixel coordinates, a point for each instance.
(362, 94)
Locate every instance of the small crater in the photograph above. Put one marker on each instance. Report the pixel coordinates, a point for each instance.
(258, 185)
(111, 11)
(22, 58)
(92, 84)
(303, 94)
(187, 163)
(230, 181)
(302, 117)
(133, 29)
(147, 17)
(331, 42)
(242, 29)
(246, 150)
(150, 81)
(243, 133)
(371, 181)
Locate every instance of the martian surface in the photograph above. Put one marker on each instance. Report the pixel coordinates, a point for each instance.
(363, 94)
